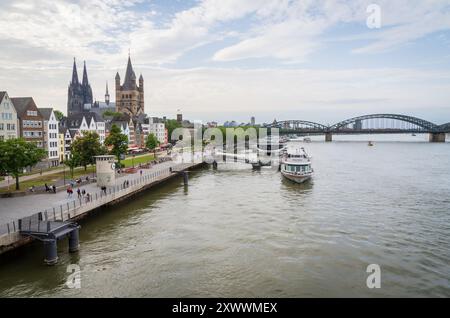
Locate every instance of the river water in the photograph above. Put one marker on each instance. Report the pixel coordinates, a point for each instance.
(236, 232)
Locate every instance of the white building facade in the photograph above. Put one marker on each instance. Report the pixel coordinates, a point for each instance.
(51, 130)
(8, 118)
(157, 129)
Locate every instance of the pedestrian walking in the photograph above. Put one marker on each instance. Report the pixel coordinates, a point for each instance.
(54, 188)
(79, 193)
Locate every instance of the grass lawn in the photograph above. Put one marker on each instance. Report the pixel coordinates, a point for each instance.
(137, 160)
(49, 179)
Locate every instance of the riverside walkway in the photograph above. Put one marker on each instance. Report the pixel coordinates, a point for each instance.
(60, 207)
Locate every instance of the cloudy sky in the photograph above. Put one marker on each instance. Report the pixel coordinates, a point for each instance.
(231, 59)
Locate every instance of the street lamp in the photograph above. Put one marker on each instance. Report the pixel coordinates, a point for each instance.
(132, 160)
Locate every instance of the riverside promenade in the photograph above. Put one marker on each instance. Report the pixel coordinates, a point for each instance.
(60, 207)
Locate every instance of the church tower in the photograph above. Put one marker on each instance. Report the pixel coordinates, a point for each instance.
(130, 96)
(87, 90)
(79, 94)
(75, 96)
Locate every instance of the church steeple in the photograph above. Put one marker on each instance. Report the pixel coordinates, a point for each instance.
(74, 72)
(85, 76)
(130, 76)
(107, 94)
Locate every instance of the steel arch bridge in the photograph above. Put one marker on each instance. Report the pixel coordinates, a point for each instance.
(445, 128)
(367, 124)
(413, 124)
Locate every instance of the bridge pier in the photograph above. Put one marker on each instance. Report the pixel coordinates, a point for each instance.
(437, 137)
(51, 251)
(74, 241)
(328, 137)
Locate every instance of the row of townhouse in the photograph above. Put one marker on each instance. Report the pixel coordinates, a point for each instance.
(76, 126)
(20, 117)
(137, 132)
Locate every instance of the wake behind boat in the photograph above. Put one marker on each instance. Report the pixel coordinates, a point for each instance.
(296, 165)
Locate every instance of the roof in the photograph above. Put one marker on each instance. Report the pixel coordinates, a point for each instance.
(72, 132)
(62, 130)
(21, 104)
(88, 115)
(2, 94)
(46, 112)
(130, 77)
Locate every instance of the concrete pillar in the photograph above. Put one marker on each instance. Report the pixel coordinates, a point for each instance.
(51, 252)
(437, 137)
(328, 137)
(74, 241)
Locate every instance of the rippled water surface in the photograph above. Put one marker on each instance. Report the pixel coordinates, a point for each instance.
(238, 232)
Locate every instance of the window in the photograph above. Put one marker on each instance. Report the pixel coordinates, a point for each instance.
(1, 126)
(31, 112)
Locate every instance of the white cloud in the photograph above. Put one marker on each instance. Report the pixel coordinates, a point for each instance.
(40, 37)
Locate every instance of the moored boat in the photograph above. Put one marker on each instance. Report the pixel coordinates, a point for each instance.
(296, 165)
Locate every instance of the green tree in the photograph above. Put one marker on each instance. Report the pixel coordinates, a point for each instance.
(171, 125)
(72, 163)
(17, 154)
(151, 143)
(118, 142)
(86, 148)
(59, 115)
(114, 115)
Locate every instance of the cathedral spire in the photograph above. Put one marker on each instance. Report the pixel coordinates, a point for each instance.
(74, 72)
(85, 77)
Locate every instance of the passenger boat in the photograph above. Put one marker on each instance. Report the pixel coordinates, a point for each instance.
(296, 165)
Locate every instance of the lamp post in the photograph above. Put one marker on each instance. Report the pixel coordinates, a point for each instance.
(64, 173)
(132, 160)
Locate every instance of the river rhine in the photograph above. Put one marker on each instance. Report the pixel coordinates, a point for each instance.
(235, 232)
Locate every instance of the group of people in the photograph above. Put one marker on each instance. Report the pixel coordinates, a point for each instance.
(83, 194)
(51, 189)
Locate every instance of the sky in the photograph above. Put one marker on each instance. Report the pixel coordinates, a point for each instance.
(317, 60)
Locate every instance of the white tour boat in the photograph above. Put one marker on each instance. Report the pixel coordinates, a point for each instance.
(296, 165)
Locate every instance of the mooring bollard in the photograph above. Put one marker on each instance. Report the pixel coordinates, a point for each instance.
(51, 252)
(74, 241)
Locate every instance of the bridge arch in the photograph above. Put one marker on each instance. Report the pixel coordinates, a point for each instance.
(297, 124)
(424, 125)
(444, 128)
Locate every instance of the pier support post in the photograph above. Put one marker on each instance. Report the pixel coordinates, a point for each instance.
(185, 177)
(437, 137)
(328, 137)
(51, 252)
(74, 241)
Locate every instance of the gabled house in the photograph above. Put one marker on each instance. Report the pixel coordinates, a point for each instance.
(8, 118)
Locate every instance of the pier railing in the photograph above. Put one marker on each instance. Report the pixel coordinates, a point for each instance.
(90, 201)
